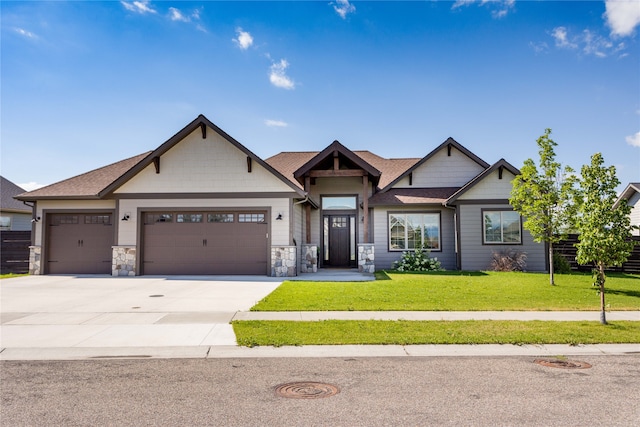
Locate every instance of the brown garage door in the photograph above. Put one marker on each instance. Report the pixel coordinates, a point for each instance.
(79, 243)
(205, 243)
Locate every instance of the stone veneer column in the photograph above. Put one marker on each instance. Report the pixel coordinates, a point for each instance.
(309, 262)
(283, 261)
(123, 262)
(366, 258)
(35, 257)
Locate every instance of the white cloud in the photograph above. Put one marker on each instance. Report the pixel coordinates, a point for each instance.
(539, 47)
(623, 16)
(343, 8)
(140, 6)
(30, 186)
(25, 33)
(501, 8)
(276, 123)
(633, 140)
(278, 77)
(244, 39)
(561, 37)
(176, 15)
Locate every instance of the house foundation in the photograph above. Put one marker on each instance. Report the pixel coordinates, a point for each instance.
(366, 258)
(123, 262)
(283, 261)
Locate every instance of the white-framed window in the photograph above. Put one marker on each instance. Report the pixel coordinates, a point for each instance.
(501, 227)
(408, 231)
(5, 223)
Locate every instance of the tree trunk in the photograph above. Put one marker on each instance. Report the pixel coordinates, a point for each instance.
(601, 279)
(551, 281)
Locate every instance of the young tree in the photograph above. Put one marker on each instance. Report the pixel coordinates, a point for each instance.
(545, 197)
(605, 232)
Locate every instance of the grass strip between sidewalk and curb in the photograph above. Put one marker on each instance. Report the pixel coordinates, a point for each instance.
(456, 291)
(342, 332)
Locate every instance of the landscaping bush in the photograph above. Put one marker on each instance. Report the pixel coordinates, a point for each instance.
(560, 264)
(417, 260)
(509, 260)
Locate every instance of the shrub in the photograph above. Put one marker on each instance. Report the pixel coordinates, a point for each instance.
(509, 260)
(417, 260)
(560, 264)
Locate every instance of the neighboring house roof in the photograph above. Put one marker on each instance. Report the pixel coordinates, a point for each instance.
(407, 196)
(627, 193)
(499, 165)
(7, 203)
(86, 186)
(449, 143)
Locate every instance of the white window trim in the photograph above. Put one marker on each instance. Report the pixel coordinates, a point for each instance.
(404, 213)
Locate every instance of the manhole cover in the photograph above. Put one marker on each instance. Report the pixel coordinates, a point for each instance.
(306, 390)
(559, 363)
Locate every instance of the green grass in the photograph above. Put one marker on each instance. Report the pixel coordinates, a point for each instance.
(11, 275)
(340, 332)
(456, 291)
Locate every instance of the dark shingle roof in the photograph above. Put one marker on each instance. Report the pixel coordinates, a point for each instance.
(7, 203)
(288, 162)
(87, 185)
(408, 196)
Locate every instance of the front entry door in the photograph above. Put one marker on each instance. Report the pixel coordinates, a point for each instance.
(339, 245)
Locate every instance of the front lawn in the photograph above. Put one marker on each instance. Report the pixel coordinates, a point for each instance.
(341, 332)
(456, 291)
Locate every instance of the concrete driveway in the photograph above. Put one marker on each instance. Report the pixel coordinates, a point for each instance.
(105, 312)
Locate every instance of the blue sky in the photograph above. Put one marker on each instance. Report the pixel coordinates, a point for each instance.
(85, 84)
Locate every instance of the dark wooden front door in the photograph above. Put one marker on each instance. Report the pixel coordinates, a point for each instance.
(339, 248)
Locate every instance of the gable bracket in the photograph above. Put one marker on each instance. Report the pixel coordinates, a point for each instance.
(203, 128)
(156, 163)
(500, 169)
(410, 178)
(448, 150)
(248, 164)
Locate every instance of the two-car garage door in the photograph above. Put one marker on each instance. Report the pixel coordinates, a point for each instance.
(204, 243)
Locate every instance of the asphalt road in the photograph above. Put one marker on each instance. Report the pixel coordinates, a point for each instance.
(479, 391)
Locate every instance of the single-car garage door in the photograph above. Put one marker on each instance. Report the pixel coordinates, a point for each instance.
(79, 243)
(205, 243)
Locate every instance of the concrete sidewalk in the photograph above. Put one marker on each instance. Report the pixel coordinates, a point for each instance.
(62, 336)
(82, 317)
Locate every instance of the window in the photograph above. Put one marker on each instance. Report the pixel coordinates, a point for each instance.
(64, 219)
(251, 217)
(97, 219)
(188, 217)
(159, 217)
(5, 223)
(220, 217)
(502, 227)
(408, 231)
(339, 203)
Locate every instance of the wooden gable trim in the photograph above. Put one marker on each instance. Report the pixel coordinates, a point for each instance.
(156, 163)
(335, 150)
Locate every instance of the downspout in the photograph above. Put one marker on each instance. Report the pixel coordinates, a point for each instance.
(34, 220)
(455, 233)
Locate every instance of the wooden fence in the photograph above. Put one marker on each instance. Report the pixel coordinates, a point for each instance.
(567, 249)
(14, 251)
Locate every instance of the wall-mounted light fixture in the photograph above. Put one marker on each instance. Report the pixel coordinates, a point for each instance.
(279, 217)
(126, 217)
(36, 219)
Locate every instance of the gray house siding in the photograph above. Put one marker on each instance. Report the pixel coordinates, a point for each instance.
(385, 257)
(634, 202)
(475, 255)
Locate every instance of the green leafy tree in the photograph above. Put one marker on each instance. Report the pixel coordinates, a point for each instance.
(605, 232)
(545, 197)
